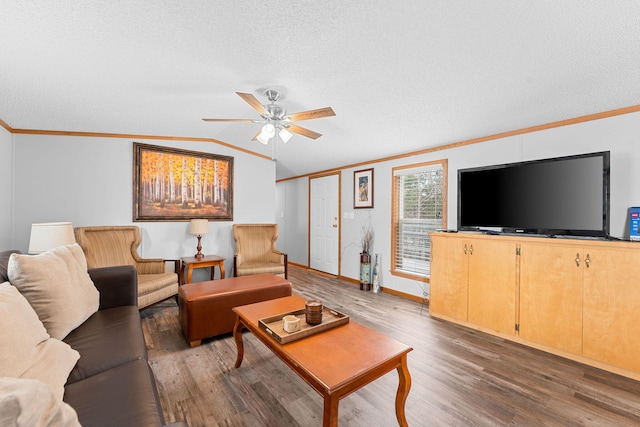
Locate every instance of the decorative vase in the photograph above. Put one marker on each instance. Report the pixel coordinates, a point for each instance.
(365, 271)
(376, 275)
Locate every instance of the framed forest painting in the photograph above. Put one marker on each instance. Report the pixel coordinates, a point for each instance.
(177, 185)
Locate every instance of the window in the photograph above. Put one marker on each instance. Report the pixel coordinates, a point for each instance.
(419, 206)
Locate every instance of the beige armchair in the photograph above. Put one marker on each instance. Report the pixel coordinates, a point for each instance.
(256, 250)
(118, 245)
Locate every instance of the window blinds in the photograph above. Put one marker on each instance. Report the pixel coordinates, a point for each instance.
(419, 207)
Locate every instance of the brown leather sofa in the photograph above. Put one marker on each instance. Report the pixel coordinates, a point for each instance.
(112, 384)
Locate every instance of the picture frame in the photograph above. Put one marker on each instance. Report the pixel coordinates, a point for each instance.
(171, 184)
(363, 189)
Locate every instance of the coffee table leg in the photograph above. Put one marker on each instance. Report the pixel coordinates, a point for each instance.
(403, 391)
(330, 416)
(237, 336)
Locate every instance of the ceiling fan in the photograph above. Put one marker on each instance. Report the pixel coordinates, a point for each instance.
(276, 120)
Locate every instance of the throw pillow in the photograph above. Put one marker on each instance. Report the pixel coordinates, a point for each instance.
(52, 365)
(26, 350)
(57, 286)
(31, 403)
(22, 331)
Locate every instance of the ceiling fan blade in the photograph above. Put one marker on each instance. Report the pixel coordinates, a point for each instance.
(253, 101)
(255, 137)
(231, 120)
(311, 114)
(304, 132)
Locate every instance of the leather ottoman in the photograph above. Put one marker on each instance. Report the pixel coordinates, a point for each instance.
(205, 307)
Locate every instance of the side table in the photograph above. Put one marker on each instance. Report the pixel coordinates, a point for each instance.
(191, 262)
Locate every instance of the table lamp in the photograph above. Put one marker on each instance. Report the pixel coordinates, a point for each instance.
(199, 227)
(49, 235)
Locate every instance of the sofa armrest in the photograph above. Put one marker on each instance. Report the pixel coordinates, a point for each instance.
(283, 258)
(150, 266)
(177, 264)
(118, 286)
(156, 265)
(286, 266)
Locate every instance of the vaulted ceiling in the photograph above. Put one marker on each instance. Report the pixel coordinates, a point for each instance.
(401, 75)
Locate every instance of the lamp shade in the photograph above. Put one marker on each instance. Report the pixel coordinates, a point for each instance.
(49, 235)
(199, 226)
(285, 135)
(262, 139)
(268, 130)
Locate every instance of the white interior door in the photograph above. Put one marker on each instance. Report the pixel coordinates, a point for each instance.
(325, 224)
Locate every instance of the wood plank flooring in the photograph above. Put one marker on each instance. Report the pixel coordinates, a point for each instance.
(460, 377)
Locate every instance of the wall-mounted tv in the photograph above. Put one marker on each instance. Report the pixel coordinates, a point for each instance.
(557, 196)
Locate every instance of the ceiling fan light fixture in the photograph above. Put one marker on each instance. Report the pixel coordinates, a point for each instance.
(285, 135)
(275, 118)
(276, 112)
(268, 130)
(266, 133)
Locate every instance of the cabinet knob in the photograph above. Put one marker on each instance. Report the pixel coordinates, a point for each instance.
(470, 249)
(577, 260)
(465, 249)
(587, 260)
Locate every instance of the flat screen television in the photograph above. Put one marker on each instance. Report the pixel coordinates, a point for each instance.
(554, 197)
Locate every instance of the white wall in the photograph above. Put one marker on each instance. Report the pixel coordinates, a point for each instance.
(293, 219)
(617, 134)
(6, 193)
(88, 181)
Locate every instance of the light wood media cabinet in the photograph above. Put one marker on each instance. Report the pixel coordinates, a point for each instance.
(576, 298)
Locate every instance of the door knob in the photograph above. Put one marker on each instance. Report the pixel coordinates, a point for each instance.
(335, 225)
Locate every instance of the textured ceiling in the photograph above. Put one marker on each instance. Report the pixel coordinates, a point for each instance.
(401, 75)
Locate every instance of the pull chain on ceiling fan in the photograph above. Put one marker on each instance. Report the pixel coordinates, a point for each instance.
(276, 120)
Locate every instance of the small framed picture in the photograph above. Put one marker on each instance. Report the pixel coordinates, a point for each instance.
(363, 189)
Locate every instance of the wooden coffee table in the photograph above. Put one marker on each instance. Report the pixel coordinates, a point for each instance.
(335, 362)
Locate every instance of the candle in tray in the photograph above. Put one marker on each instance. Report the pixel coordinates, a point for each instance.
(313, 312)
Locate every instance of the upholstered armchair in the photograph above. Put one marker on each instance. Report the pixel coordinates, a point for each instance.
(108, 246)
(256, 250)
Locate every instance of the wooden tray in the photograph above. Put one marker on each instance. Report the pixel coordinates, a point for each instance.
(274, 325)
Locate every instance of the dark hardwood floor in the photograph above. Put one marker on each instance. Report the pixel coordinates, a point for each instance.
(460, 377)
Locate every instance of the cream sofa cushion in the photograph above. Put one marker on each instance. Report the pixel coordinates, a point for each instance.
(57, 286)
(22, 331)
(30, 403)
(52, 365)
(26, 350)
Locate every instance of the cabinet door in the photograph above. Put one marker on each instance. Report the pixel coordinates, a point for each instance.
(551, 295)
(492, 285)
(612, 307)
(449, 276)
